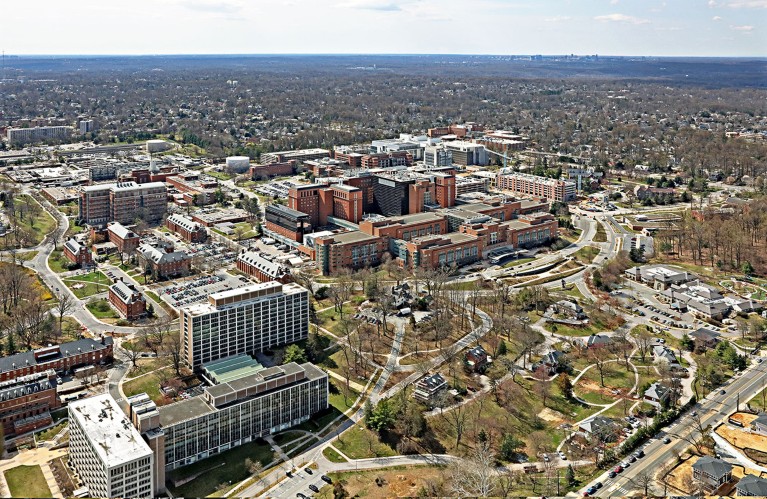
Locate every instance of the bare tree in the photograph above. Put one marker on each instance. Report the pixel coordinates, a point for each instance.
(644, 481)
(644, 342)
(456, 418)
(131, 350)
(64, 306)
(474, 477)
(173, 349)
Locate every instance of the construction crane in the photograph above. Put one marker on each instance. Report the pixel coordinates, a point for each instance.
(505, 157)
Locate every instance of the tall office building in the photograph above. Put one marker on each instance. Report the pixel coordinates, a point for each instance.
(245, 403)
(123, 202)
(108, 453)
(244, 320)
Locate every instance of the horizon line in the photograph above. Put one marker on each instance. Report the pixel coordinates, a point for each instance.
(381, 54)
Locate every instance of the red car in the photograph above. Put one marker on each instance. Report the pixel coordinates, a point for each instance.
(618, 469)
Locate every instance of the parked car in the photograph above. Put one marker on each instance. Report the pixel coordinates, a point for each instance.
(666, 440)
(618, 469)
(326, 478)
(313, 488)
(612, 474)
(309, 470)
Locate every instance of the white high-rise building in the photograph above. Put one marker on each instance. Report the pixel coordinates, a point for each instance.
(109, 454)
(20, 136)
(244, 320)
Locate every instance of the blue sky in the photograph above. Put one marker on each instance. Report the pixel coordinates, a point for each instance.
(606, 27)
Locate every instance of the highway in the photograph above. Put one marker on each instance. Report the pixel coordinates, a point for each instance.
(712, 410)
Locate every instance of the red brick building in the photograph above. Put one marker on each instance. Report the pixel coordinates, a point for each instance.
(386, 159)
(286, 222)
(258, 172)
(352, 250)
(432, 252)
(406, 227)
(63, 357)
(263, 270)
(127, 300)
(165, 262)
(26, 402)
(77, 253)
(125, 239)
(525, 232)
(189, 230)
(320, 202)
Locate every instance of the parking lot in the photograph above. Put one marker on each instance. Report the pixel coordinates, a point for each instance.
(196, 290)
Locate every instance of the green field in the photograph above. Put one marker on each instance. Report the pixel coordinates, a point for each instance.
(222, 470)
(361, 443)
(101, 309)
(57, 262)
(27, 481)
(92, 284)
(51, 432)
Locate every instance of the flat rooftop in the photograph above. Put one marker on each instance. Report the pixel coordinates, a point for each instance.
(115, 438)
(352, 237)
(231, 368)
(184, 410)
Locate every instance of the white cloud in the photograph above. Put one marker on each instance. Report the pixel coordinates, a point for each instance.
(557, 19)
(712, 3)
(621, 18)
(372, 5)
(745, 28)
(747, 4)
(614, 2)
(716, 18)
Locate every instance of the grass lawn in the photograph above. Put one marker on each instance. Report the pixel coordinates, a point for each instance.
(51, 432)
(288, 436)
(101, 309)
(225, 468)
(332, 455)
(398, 481)
(616, 377)
(567, 330)
(149, 384)
(521, 261)
(57, 262)
(336, 398)
(153, 295)
(329, 318)
(361, 443)
(27, 481)
(25, 256)
(87, 285)
(586, 254)
(601, 235)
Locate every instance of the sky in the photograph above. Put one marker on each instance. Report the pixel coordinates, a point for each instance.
(605, 27)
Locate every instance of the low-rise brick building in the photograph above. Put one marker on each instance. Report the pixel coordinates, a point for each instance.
(287, 222)
(77, 253)
(165, 262)
(63, 357)
(125, 239)
(432, 252)
(253, 264)
(189, 230)
(127, 300)
(26, 402)
(258, 172)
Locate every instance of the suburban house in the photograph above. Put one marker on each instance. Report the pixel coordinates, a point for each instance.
(705, 337)
(597, 341)
(751, 486)
(657, 395)
(550, 361)
(712, 472)
(570, 308)
(477, 359)
(604, 429)
(428, 388)
(759, 425)
(662, 353)
(77, 253)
